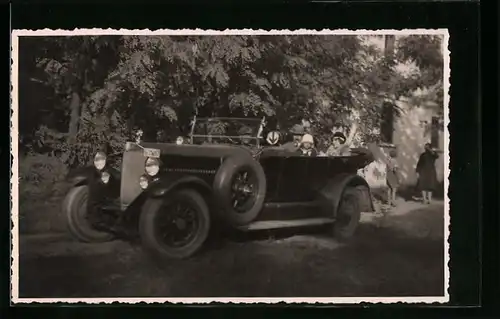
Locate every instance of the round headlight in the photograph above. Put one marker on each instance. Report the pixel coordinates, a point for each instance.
(152, 166)
(100, 160)
(105, 177)
(179, 140)
(143, 182)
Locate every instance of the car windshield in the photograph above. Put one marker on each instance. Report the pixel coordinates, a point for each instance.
(224, 130)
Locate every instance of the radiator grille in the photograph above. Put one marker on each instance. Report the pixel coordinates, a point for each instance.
(134, 162)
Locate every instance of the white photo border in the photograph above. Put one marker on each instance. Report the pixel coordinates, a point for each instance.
(14, 135)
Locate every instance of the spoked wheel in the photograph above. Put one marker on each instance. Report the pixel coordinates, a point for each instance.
(244, 191)
(77, 217)
(239, 190)
(175, 227)
(348, 215)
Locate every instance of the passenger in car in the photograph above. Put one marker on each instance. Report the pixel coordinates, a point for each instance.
(297, 132)
(307, 146)
(338, 147)
(245, 134)
(340, 144)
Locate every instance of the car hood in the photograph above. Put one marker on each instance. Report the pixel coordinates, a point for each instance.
(207, 150)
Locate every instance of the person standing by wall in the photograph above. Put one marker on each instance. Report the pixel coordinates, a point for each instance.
(392, 177)
(426, 172)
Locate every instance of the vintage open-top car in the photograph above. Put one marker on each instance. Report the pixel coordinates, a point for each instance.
(170, 195)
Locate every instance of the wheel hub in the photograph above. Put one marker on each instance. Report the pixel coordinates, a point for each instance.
(180, 223)
(346, 212)
(245, 189)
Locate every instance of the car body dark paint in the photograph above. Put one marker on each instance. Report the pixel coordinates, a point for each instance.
(200, 161)
(290, 177)
(293, 177)
(167, 183)
(194, 150)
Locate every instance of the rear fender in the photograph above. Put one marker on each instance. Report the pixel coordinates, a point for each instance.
(332, 192)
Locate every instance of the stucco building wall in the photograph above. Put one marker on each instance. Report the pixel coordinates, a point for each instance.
(410, 134)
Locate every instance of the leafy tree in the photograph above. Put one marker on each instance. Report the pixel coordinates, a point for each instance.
(102, 88)
(425, 51)
(69, 69)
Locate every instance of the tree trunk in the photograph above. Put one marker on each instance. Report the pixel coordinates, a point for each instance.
(387, 123)
(74, 120)
(389, 46)
(108, 110)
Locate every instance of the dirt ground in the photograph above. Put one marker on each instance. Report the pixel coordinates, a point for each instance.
(400, 254)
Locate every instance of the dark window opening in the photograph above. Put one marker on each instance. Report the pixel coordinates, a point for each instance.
(435, 132)
(387, 123)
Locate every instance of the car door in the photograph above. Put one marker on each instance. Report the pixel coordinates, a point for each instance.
(293, 182)
(272, 166)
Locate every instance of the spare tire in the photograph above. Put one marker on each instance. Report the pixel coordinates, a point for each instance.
(240, 190)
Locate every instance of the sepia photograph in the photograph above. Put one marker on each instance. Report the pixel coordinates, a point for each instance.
(195, 166)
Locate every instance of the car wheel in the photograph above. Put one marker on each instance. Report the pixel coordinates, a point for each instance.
(75, 211)
(348, 215)
(240, 190)
(176, 226)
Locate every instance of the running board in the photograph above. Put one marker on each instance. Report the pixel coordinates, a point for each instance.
(278, 205)
(274, 224)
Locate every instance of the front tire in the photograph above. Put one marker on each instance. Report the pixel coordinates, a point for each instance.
(175, 227)
(348, 215)
(75, 211)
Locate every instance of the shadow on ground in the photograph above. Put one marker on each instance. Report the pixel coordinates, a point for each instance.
(399, 255)
(408, 193)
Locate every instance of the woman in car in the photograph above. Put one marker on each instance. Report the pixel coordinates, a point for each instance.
(306, 147)
(340, 144)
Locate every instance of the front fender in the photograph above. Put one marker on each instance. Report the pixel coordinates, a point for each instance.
(168, 183)
(81, 175)
(86, 174)
(332, 192)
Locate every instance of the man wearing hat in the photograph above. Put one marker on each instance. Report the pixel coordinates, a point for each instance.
(297, 132)
(245, 134)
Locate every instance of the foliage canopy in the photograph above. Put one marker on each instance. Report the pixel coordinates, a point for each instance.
(98, 89)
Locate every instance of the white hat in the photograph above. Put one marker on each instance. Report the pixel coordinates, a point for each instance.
(307, 138)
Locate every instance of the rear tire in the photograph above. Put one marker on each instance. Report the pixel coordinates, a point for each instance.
(75, 211)
(348, 215)
(158, 211)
